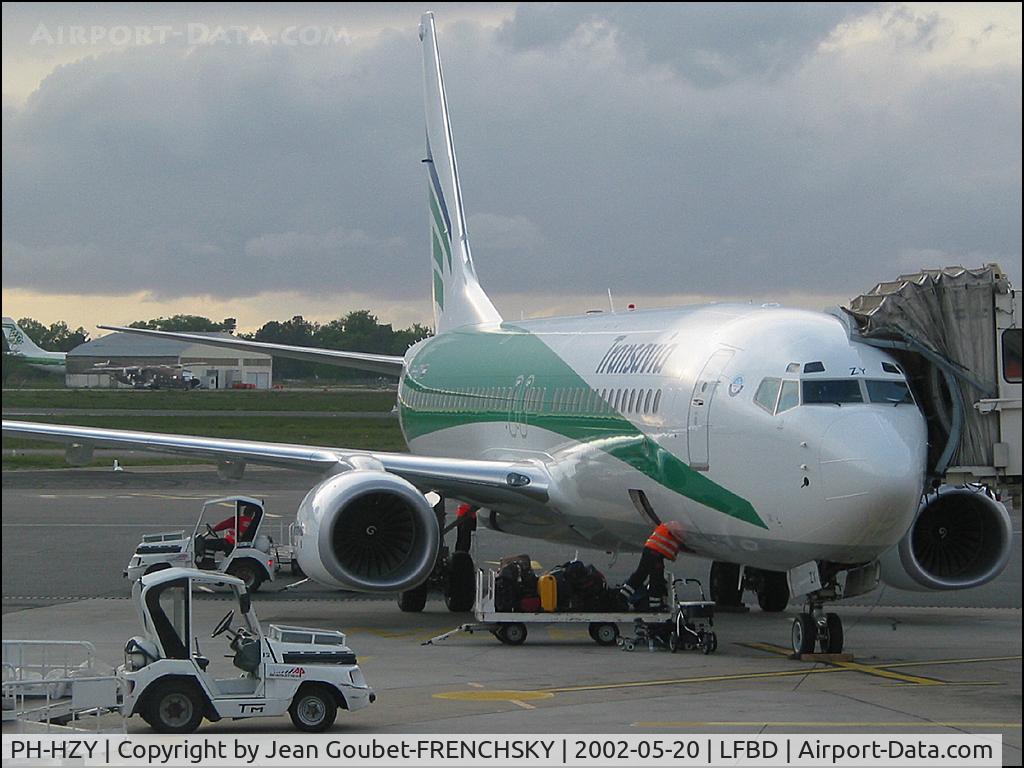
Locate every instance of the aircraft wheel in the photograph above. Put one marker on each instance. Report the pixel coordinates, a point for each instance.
(313, 709)
(725, 584)
(413, 600)
(248, 573)
(773, 593)
(461, 590)
(175, 706)
(804, 633)
(511, 634)
(604, 633)
(832, 641)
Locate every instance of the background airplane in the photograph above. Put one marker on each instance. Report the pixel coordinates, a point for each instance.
(776, 440)
(169, 376)
(21, 346)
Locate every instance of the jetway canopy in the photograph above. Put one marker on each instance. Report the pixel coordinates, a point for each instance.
(943, 325)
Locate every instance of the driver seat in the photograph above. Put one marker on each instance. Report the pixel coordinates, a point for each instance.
(247, 653)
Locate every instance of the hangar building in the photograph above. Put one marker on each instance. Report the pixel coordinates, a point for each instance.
(215, 367)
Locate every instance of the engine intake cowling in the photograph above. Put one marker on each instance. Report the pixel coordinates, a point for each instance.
(367, 530)
(961, 538)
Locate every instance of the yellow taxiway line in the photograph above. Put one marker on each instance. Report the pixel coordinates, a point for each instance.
(876, 670)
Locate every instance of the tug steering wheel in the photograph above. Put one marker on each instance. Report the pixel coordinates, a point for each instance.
(224, 624)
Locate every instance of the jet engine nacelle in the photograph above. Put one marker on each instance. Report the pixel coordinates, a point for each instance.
(961, 538)
(367, 530)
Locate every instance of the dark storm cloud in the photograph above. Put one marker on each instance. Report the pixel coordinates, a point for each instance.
(652, 150)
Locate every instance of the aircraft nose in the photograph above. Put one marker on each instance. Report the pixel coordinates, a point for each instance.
(872, 472)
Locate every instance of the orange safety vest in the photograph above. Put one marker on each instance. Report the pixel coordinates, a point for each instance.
(663, 542)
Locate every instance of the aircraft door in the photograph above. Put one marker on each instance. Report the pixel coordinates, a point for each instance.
(699, 419)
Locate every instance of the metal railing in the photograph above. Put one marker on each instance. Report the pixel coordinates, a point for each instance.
(57, 682)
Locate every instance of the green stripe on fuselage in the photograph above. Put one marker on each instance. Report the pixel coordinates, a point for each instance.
(467, 377)
(439, 290)
(442, 230)
(38, 360)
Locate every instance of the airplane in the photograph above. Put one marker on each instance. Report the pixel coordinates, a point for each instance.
(793, 455)
(164, 376)
(22, 347)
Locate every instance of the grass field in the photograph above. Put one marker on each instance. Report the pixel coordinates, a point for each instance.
(228, 400)
(378, 434)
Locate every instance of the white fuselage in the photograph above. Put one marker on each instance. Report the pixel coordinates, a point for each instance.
(662, 403)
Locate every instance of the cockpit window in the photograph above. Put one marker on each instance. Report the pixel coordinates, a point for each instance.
(895, 392)
(816, 367)
(767, 394)
(790, 397)
(890, 367)
(834, 391)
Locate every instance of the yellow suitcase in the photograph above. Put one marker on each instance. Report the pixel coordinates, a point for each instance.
(548, 589)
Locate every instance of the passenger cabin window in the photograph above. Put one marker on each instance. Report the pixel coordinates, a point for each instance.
(767, 393)
(790, 396)
(1011, 355)
(832, 391)
(894, 392)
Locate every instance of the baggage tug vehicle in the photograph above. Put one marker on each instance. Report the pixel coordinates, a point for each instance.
(253, 556)
(307, 673)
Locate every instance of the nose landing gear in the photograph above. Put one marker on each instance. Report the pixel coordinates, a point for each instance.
(816, 627)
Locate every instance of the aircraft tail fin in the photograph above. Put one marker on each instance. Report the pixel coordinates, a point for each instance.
(18, 342)
(458, 297)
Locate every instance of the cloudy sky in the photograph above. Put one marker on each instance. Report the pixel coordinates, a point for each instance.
(263, 161)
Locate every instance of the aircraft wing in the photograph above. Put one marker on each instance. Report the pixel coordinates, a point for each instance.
(482, 482)
(389, 364)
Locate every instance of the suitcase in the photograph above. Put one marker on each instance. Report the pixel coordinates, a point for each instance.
(547, 586)
(529, 605)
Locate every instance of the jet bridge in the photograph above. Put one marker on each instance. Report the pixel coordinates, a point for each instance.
(957, 333)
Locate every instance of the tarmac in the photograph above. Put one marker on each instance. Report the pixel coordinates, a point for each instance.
(922, 662)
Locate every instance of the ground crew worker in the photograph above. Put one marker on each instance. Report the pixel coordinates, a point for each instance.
(465, 519)
(227, 525)
(660, 546)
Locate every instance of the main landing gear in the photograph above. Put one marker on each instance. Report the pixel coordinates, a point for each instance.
(728, 585)
(454, 574)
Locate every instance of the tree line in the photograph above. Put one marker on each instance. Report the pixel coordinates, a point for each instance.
(358, 331)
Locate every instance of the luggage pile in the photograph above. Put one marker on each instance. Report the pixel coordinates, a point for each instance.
(570, 587)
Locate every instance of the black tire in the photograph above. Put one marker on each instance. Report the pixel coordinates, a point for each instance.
(313, 709)
(604, 633)
(174, 706)
(673, 642)
(832, 642)
(413, 600)
(156, 567)
(461, 590)
(248, 572)
(725, 584)
(773, 592)
(710, 644)
(511, 634)
(803, 634)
